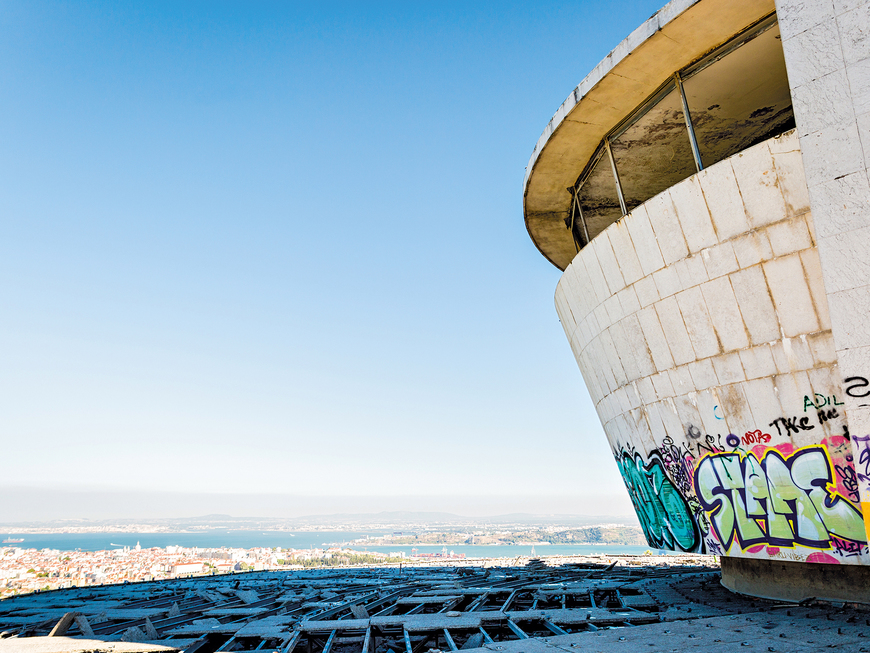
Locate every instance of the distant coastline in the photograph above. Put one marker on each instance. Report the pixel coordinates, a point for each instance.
(361, 541)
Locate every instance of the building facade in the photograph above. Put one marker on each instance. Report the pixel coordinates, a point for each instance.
(705, 191)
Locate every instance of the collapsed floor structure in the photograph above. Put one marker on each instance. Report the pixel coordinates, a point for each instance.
(418, 610)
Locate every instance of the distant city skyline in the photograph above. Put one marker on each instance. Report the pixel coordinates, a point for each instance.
(277, 250)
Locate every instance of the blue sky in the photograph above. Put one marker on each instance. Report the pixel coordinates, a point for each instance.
(278, 248)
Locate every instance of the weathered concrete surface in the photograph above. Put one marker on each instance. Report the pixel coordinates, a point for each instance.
(796, 581)
(700, 324)
(74, 645)
(827, 54)
(795, 630)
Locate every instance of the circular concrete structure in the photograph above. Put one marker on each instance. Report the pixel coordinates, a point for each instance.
(700, 206)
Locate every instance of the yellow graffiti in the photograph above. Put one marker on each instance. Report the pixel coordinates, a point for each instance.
(778, 500)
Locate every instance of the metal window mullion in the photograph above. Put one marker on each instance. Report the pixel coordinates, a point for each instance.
(615, 176)
(573, 213)
(582, 218)
(696, 153)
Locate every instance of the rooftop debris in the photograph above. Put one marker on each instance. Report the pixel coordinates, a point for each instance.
(420, 610)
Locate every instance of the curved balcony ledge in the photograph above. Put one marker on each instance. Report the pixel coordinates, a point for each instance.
(676, 36)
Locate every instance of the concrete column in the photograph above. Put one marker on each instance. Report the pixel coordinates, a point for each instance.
(827, 54)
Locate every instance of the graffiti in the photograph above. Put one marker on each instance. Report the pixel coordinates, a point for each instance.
(862, 444)
(821, 402)
(855, 387)
(793, 425)
(779, 500)
(665, 515)
(785, 555)
(716, 413)
(699, 446)
(825, 415)
(849, 479)
(847, 548)
(680, 467)
(756, 437)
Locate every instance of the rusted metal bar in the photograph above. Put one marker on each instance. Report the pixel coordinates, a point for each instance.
(450, 641)
(516, 629)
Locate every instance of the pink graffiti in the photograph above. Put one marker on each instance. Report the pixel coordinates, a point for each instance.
(822, 558)
(841, 454)
(835, 441)
(785, 448)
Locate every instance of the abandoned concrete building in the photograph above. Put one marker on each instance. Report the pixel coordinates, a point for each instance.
(705, 191)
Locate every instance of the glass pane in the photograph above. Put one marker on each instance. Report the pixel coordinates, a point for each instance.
(740, 100)
(654, 153)
(599, 200)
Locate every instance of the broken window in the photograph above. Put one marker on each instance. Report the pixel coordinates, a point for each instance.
(736, 97)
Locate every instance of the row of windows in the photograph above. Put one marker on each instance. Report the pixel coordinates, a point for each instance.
(735, 97)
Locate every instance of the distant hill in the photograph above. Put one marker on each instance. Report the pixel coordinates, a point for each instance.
(338, 521)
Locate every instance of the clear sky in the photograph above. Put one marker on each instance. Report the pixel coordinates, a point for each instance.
(278, 249)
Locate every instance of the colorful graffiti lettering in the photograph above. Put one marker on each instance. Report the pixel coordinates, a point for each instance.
(664, 514)
(680, 467)
(777, 499)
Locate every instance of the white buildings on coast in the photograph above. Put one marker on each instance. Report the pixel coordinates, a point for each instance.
(28, 570)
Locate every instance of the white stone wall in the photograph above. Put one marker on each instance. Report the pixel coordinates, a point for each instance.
(701, 326)
(827, 54)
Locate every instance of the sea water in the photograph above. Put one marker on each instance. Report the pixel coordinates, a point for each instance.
(214, 539)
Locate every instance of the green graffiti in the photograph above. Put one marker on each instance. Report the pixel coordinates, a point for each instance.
(664, 514)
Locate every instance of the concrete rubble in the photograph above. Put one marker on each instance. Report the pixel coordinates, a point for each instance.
(587, 605)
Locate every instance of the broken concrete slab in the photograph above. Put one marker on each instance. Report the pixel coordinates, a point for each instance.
(72, 645)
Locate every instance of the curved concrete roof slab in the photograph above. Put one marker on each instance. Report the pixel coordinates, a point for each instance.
(679, 34)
